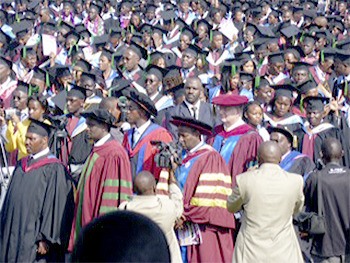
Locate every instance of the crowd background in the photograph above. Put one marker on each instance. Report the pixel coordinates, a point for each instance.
(89, 89)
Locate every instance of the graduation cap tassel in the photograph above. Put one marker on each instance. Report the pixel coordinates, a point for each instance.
(30, 90)
(302, 37)
(295, 141)
(334, 45)
(322, 55)
(132, 29)
(233, 70)
(148, 59)
(47, 80)
(204, 61)
(113, 61)
(211, 36)
(24, 53)
(257, 82)
(293, 41)
(346, 88)
(17, 18)
(70, 50)
(301, 107)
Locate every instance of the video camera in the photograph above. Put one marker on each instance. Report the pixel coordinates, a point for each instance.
(166, 151)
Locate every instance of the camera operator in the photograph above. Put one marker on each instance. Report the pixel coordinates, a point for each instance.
(17, 123)
(117, 107)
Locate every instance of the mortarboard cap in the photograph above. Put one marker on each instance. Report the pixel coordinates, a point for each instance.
(101, 41)
(197, 125)
(194, 50)
(22, 86)
(290, 31)
(297, 51)
(107, 53)
(62, 71)
(157, 71)
(4, 38)
(327, 53)
(315, 103)
(284, 90)
(77, 91)
(188, 32)
(282, 130)
(344, 44)
(276, 57)
(22, 28)
(246, 76)
(140, 51)
(144, 102)
(97, 6)
(343, 55)
(301, 66)
(60, 100)
(120, 87)
(66, 26)
(146, 28)
(306, 86)
(205, 23)
(230, 100)
(100, 115)
(168, 15)
(83, 64)
(40, 128)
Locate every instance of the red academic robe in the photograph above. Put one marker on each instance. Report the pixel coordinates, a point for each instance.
(104, 184)
(238, 147)
(206, 184)
(143, 153)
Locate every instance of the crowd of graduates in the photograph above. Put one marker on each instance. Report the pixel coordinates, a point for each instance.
(232, 71)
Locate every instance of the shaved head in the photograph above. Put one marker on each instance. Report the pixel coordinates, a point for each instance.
(269, 152)
(331, 150)
(144, 184)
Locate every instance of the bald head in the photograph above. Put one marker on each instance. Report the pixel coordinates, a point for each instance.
(145, 184)
(331, 150)
(269, 152)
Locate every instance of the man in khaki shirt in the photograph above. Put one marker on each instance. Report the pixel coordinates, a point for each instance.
(268, 197)
(164, 210)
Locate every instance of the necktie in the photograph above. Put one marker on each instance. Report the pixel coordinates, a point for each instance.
(30, 160)
(135, 137)
(194, 110)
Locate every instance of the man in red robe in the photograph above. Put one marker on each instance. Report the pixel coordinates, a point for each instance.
(137, 140)
(206, 183)
(106, 179)
(236, 141)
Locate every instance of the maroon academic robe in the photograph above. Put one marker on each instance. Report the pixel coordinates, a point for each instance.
(238, 147)
(104, 184)
(206, 184)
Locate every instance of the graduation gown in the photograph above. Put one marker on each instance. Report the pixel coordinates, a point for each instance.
(38, 206)
(310, 141)
(292, 122)
(238, 147)
(298, 163)
(206, 184)
(143, 152)
(104, 184)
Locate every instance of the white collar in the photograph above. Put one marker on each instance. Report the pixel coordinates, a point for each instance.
(6, 83)
(197, 147)
(285, 155)
(190, 106)
(143, 127)
(103, 140)
(41, 154)
(154, 96)
(238, 123)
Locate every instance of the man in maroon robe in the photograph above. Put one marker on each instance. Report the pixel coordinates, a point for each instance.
(106, 179)
(236, 141)
(206, 183)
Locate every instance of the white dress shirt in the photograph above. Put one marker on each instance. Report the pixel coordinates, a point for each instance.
(139, 131)
(103, 140)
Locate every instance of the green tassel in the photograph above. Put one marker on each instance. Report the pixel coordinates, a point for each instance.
(148, 59)
(30, 92)
(211, 36)
(195, 24)
(334, 45)
(47, 80)
(24, 52)
(301, 107)
(110, 92)
(17, 18)
(132, 29)
(257, 82)
(322, 55)
(113, 64)
(302, 37)
(346, 88)
(233, 70)
(70, 51)
(293, 40)
(204, 61)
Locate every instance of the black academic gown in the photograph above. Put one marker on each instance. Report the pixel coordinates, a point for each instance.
(39, 205)
(320, 137)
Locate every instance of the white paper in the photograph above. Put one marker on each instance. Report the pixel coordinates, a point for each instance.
(49, 45)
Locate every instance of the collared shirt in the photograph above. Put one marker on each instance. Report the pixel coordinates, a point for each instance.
(197, 147)
(186, 72)
(103, 140)
(40, 154)
(190, 107)
(139, 131)
(235, 125)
